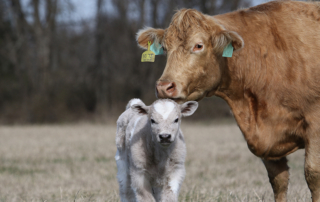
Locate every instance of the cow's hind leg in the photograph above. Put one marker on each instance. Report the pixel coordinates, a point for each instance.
(278, 173)
(312, 168)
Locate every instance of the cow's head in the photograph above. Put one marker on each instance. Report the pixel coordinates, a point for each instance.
(165, 118)
(194, 44)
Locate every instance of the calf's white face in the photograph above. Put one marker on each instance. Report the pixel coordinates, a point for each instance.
(165, 118)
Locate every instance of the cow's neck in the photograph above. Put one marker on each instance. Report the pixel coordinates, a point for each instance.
(245, 103)
(240, 98)
(236, 88)
(252, 103)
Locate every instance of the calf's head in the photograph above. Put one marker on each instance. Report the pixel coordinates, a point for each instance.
(194, 43)
(164, 118)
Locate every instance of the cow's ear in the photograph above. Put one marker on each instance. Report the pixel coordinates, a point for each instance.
(188, 108)
(149, 34)
(140, 108)
(222, 39)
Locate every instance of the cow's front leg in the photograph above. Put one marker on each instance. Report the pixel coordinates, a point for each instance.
(141, 186)
(278, 173)
(312, 168)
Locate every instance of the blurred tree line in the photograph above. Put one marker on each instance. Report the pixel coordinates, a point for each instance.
(54, 70)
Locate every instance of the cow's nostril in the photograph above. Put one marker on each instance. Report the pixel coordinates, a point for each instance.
(171, 87)
(165, 89)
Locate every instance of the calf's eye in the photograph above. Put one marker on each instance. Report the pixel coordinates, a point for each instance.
(176, 121)
(152, 121)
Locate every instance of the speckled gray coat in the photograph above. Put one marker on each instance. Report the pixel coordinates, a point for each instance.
(151, 150)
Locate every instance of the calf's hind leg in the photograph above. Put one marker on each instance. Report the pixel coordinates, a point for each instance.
(126, 192)
(278, 173)
(312, 168)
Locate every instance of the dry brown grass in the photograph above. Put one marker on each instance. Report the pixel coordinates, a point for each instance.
(76, 163)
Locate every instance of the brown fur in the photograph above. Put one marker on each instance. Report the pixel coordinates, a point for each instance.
(278, 173)
(271, 83)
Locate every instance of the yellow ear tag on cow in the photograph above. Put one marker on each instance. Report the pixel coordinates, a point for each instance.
(148, 56)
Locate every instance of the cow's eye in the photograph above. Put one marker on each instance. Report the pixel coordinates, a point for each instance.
(152, 121)
(176, 121)
(197, 47)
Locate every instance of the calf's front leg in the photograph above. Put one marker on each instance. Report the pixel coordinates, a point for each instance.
(170, 191)
(278, 173)
(141, 186)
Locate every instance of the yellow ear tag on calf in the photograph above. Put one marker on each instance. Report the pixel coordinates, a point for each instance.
(148, 56)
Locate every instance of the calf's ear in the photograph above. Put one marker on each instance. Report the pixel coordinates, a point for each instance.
(133, 102)
(188, 108)
(140, 108)
(223, 38)
(149, 34)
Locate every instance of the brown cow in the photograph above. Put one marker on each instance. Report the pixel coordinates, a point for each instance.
(271, 83)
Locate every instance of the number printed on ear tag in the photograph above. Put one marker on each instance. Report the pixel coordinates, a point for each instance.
(148, 56)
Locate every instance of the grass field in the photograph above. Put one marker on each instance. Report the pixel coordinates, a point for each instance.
(76, 163)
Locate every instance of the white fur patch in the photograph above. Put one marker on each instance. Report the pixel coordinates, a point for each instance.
(134, 127)
(117, 157)
(164, 108)
(176, 180)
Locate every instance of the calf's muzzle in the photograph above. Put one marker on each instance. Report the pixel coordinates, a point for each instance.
(165, 138)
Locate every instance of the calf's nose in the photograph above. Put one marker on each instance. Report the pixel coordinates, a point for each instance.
(165, 137)
(165, 89)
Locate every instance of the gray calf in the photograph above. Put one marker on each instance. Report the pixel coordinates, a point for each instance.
(151, 150)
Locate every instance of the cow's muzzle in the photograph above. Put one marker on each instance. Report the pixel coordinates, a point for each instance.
(166, 89)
